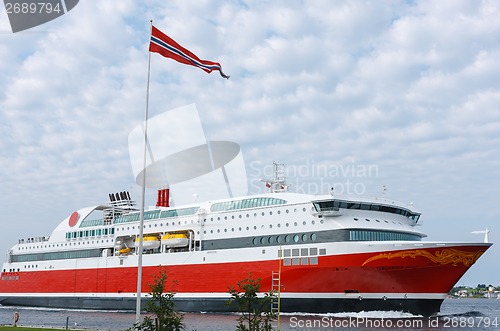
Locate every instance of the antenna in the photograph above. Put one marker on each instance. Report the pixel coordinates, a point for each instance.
(278, 183)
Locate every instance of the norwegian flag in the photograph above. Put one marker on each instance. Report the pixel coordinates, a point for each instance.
(166, 46)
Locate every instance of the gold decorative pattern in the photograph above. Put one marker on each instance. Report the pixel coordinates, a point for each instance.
(445, 256)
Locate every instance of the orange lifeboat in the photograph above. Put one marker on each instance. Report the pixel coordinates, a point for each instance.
(148, 242)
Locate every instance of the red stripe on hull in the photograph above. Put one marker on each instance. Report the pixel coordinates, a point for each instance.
(426, 270)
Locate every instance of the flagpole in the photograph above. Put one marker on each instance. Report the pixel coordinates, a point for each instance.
(143, 198)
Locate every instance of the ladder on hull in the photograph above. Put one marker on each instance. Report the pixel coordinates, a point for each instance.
(276, 300)
(276, 284)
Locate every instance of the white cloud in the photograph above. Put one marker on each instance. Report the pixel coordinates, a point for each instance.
(409, 87)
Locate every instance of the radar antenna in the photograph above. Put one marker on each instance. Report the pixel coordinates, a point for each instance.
(278, 183)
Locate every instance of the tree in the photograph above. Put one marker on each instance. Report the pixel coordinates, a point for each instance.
(161, 306)
(256, 312)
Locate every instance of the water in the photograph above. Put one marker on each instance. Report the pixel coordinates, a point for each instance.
(456, 314)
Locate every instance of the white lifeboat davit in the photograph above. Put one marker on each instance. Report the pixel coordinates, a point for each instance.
(175, 240)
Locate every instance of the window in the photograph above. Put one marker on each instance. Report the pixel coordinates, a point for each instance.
(328, 205)
(246, 203)
(373, 235)
(178, 212)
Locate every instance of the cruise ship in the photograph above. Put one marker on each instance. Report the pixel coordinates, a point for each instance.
(330, 253)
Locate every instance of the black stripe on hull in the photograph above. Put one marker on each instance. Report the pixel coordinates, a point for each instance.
(424, 307)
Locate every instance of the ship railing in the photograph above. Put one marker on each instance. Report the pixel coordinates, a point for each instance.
(327, 212)
(33, 240)
(110, 214)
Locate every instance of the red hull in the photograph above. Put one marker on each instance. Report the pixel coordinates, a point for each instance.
(430, 270)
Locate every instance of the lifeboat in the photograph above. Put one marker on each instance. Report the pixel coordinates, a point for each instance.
(148, 242)
(175, 240)
(124, 251)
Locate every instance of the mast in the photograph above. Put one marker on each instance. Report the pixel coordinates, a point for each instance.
(278, 183)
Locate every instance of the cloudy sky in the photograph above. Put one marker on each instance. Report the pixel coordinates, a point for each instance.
(401, 94)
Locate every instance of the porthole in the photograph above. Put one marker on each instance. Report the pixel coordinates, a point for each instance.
(255, 227)
(232, 229)
(296, 238)
(254, 241)
(313, 236)
(248, 216)
(287, 224)
(263, 213)
(270, 213)
(366, 219)
(304, 223)
(225, 230)
(248, 228)
(304, 237)
(278, 239)
(295, 223)
(287, 211)
(270, 226)
(355, 219)
(254, 214)
(313, 222)
(262, 240)
(303, 209)
(279, 212)
(270, 239)
(218, 218)
(287, 238)
(232, 217)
